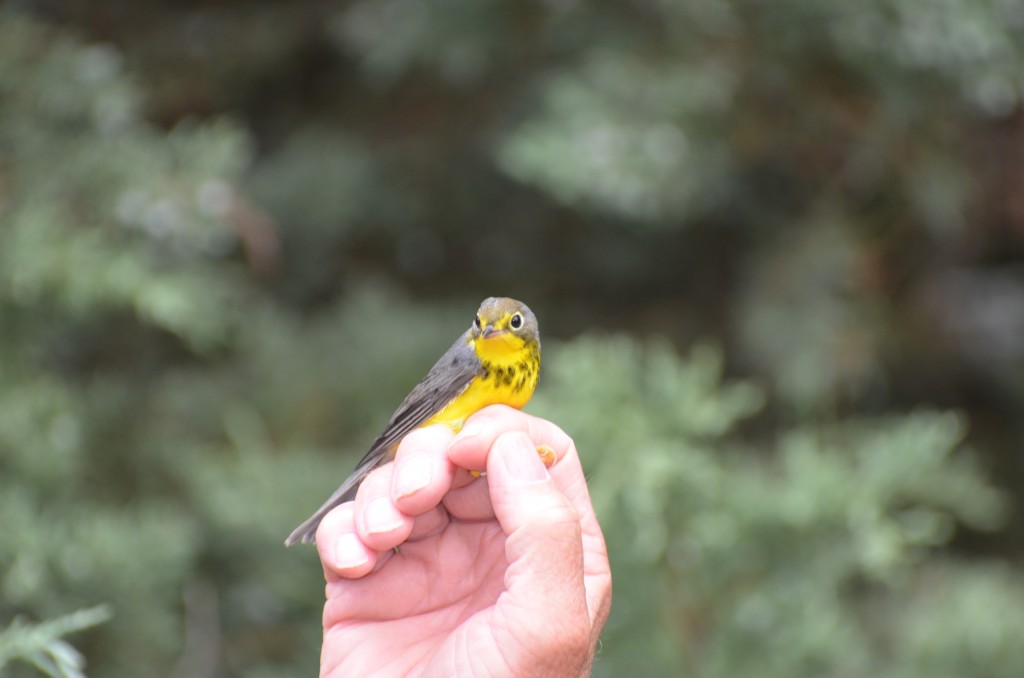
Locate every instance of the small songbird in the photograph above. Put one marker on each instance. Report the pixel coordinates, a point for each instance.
(496, 361)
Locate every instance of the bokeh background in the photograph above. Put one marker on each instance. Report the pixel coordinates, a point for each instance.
(776, 250)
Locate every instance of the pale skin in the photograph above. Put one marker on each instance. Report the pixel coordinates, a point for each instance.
(503, 575)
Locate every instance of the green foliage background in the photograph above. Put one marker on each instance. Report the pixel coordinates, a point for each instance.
(777, 251)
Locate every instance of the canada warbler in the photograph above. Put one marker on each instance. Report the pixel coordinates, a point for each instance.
(497, 360)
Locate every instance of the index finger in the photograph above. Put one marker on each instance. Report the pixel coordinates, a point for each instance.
(471, 446)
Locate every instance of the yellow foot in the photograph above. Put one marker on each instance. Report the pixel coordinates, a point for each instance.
(547, 455)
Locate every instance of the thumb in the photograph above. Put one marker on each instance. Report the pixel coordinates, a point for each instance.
(544, 604)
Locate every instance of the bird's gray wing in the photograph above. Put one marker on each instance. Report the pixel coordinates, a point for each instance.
(449, 377)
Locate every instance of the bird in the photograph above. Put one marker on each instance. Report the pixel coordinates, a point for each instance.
(495, 361)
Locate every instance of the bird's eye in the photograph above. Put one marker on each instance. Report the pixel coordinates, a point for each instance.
(517, 321)
(476, 322)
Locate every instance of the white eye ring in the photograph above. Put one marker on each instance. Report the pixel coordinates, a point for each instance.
(476, 322)
(516, 321)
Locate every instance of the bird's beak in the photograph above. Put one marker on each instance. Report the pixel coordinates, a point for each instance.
(492, 331)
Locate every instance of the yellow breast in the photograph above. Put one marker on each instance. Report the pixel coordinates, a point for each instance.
(509, 378)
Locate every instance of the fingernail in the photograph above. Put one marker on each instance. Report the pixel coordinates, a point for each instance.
(349, 552)
(380, 516)
(413, 476)
(521, 460)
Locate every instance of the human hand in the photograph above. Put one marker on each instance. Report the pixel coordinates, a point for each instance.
(505, 574)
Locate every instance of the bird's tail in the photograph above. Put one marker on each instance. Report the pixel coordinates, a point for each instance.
(306, 532)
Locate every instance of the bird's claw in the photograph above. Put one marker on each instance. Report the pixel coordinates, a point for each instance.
(547, 455)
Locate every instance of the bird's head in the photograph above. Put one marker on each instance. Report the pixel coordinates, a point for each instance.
(503, 326)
